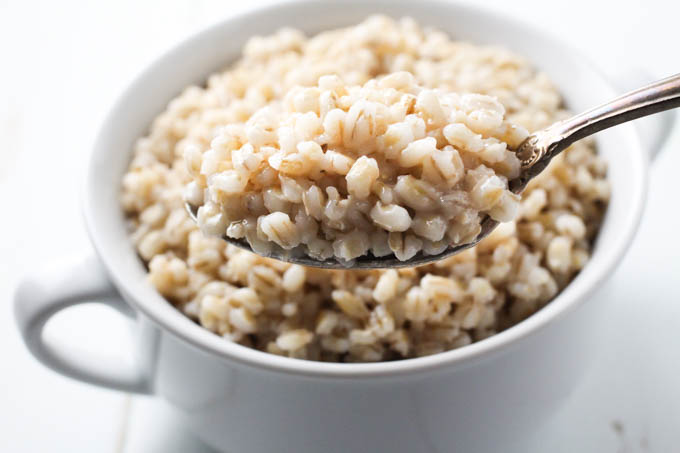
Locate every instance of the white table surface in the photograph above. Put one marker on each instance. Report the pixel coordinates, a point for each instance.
(64, 62)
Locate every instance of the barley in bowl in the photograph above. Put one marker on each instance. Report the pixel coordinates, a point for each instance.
(351, 316)
(387, 167)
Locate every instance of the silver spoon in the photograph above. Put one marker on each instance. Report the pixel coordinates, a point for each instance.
(535, 154)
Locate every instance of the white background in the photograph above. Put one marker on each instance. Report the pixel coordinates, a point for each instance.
(62, 65)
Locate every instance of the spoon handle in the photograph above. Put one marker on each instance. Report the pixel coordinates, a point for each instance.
(653, 98)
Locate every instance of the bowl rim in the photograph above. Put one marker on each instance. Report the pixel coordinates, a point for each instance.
(198, 337)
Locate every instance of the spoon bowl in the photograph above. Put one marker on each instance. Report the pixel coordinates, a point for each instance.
(363, 262)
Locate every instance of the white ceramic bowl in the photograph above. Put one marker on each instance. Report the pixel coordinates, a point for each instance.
(482, 397)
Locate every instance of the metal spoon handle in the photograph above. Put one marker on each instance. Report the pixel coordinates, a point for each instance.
(654, 98)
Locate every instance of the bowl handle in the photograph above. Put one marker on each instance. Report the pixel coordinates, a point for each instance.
(655, 129)
(44, 293)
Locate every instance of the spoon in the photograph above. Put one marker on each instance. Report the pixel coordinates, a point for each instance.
(535, 153)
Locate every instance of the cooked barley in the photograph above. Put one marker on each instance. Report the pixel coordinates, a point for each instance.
(319, 314)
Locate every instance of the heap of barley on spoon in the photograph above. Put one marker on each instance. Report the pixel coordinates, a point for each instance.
(534, 153)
